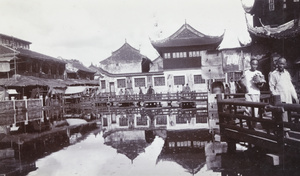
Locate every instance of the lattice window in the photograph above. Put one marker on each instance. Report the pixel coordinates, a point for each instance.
(179, 80)
(102, 84)
(198, 79)
(179, 54)
(121, 83)
(139, 82)
(194, 54)
(167, 55)
(271, 5)
(159, 81)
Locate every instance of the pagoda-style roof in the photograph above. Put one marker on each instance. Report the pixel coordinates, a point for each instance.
(188, 36)
(127, 142)
(284, 31)
(125, 54)
(192, 162)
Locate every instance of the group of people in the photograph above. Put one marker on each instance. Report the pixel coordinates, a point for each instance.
(184, 89)
(279, 83)
(128, 91)
(150, 91)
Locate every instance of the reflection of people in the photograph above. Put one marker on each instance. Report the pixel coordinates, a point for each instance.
(280, 83)
(253, 92)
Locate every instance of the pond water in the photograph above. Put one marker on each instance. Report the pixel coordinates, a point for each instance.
(122, 144)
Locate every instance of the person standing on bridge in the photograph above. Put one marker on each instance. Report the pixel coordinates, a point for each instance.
(232, 87)
(253, 92)
(187, 88)
(150, 92)
(141, 94)
(280, 84)
(127, 93)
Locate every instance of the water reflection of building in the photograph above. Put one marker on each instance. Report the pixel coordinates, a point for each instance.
(165, 118)
(130, 143)
(35, 139)
(186, 148)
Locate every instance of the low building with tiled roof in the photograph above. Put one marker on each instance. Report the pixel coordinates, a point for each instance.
(123, 60)
(14, 42)
(76, 70)
(25, 70)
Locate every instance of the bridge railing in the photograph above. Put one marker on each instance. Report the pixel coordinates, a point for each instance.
(275, 127)
(198, 96)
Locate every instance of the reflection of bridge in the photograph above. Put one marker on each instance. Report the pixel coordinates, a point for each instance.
(157, 110)
(268, 132)
(159, 117)
(188, 100)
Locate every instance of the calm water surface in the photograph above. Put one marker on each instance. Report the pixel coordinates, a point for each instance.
(93, 156)
(124, 145)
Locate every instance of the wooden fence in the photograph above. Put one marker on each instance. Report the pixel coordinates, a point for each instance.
(276, 127)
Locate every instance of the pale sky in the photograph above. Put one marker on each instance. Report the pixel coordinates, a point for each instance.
(89, 30)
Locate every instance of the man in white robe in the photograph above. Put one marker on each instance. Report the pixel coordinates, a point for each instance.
(280, 83)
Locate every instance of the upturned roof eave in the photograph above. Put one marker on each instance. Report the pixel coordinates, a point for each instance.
(283, 31)
(197, 41)
(166, 43)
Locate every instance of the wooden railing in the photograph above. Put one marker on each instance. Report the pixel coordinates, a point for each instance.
(24, 104)
(157, 96)
(268, 130)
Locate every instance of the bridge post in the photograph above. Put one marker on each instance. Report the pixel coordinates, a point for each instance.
(220, 109)
(275, 100)
(278, 114)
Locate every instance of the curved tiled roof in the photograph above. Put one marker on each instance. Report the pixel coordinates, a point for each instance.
(76, 64)
(289, 33)
(124, 54)
(22, 80)
(187, 36)
(104, 72)
(36, 55)
(4, 50)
